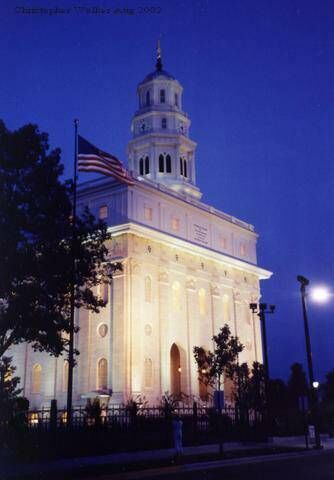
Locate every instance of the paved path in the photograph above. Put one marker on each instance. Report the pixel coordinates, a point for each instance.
(11, 471)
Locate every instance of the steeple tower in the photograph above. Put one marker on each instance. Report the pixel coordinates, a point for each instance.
(159, 60)
(161, 150)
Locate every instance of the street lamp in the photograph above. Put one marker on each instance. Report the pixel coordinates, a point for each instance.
(261, 311)
(320, 294)
(304, 282)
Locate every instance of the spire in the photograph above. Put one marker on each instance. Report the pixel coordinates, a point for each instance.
(159, 62)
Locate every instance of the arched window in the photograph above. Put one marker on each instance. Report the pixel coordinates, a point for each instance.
(176, 99)
(36, 378)
(176, 296)
(102, 374)
(148, 99)
(226, 309)
(168, 164)
(103, 212)
(105, 292)
(162, 96)
(185, 173)
(141, 166)
(148, 373)
(175, 371)
(163, 123)
(161, 163)
(148, 289)
(202, 301)
(8, 375)
(102, 291)
(181, 166)
(203, 387)
(65, 375)
(147, 165)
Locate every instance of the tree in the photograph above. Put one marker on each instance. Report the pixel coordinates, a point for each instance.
(278, 404)
(328, 388)
(212, 365)
(242, 388)
(297, 385)
(9, 390)
(36, 233)
(327, 402)
(258, 388)
(249, 388)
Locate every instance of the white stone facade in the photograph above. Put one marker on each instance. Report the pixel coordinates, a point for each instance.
(187, 270)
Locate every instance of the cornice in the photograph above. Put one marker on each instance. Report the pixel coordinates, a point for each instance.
(190, 247)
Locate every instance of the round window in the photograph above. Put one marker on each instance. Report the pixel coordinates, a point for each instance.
(148, 329)
(103, 330)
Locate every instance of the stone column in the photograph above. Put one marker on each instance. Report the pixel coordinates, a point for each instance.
(216, 309)
(119, 347)
(193, 333)
(164, 306)
(257, 333)
(137, 329)
(236, 311)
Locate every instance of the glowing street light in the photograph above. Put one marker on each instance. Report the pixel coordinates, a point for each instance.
(304, 282)
(320, 294)
(315, 384)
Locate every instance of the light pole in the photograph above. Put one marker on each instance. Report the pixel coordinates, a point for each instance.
(261, 311)
(304, 282)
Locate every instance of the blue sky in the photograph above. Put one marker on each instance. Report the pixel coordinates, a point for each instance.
(258, 86)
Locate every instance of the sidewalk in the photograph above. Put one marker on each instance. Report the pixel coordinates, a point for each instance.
(8, 470)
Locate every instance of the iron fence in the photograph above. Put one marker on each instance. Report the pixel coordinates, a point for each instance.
(124, 416)
(44, 433)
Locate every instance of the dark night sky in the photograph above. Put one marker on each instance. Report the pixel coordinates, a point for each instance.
(258, 81)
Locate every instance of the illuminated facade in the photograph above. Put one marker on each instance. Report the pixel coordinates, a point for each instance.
(187, 270)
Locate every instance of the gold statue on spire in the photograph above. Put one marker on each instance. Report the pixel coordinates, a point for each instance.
(159, 62)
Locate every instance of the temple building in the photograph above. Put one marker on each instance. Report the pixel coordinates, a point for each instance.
(188, 269)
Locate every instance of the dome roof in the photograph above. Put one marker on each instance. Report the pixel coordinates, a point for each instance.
(156, 74)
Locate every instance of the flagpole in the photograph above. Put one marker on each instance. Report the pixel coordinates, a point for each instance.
(72, 311)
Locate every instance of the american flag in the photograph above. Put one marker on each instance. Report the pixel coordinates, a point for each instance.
(92, 159)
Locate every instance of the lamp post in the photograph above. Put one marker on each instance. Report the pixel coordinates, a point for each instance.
(304, 282)
(261, 311)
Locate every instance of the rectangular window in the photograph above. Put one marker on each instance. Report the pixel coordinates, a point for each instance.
(162, 96)
(148, 213)
(223, 242)
(103, 212)
(242, 250)
(175, 224)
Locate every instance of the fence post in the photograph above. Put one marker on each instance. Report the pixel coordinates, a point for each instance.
(195, 415)
(53, 414)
